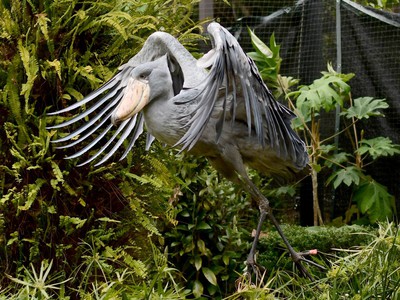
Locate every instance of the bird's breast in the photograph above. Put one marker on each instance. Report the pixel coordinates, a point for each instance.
(162, 120)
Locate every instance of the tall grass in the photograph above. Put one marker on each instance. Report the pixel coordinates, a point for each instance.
(371, 271)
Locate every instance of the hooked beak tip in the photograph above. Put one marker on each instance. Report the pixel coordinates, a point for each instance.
(115, 120)
(136, 96)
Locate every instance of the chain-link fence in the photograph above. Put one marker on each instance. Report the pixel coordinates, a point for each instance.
(354, 38)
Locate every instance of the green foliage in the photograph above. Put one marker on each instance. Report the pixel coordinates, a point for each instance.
(368, 269)
(390, 5)
(378, 147)
(371, 271)
(324, 95)
(92, 227)
(268, 61)
(365, 107)
(211, 238)
(38, 284)
(374, 200)
(323, 238)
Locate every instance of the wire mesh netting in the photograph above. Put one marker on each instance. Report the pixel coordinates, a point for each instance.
(307, 33)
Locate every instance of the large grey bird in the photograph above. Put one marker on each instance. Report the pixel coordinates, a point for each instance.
(217, 107)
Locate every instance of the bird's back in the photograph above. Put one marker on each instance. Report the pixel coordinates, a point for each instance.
(236, 144)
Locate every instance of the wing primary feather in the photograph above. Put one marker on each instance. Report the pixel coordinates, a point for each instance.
(105, 146)
(234, 100)
(149, 140)
(200, 119)
(124, 135)
(111, 94)
(88, 134)
(89, 97)
(137, 132)
(90, 123)
(91, 144)
(220, 123)
(246, 104)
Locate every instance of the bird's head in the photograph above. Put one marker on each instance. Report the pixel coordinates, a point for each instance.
(147, 82)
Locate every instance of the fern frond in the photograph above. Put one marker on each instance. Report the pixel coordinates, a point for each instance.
(31, 67)
(42, 21)
(33, 190)
(59, 178)
(138, 267)
(56, 64)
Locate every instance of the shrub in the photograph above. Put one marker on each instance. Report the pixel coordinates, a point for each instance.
(86, 226)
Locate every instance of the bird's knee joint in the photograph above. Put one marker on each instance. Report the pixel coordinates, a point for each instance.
(264, 207)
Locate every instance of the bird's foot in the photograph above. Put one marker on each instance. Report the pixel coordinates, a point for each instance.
(252, 277)
(299, 257)
(255, 270)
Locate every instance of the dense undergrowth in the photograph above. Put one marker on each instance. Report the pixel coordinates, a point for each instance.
(85, 226)
(158, 225)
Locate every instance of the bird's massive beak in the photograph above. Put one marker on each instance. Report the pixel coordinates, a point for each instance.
(136, 96)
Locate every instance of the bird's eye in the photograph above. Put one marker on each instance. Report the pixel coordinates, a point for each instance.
(143, 76)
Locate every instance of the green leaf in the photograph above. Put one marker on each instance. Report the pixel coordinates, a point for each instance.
(210, 276)
(31, 68)
(106, 219)
(203, 226)
(285, 190)
(70, 224)
(202, 246)
(269, 62)
(316, 167)
(14, 238)
(348, 176)
(56, 64)
(323, 93)
(42, 21)
(198, 262)
(365, 107)
(225, 259)
(197, 289)
(377, 147)
(373, 199)
(337, 159)
(74, 93)
(259, 45)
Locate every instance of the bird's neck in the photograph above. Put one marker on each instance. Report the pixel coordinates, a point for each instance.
(162, 118)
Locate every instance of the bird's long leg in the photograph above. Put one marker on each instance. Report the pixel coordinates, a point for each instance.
(250, 258)
(231, 166)
(265, 210)
(250, 261)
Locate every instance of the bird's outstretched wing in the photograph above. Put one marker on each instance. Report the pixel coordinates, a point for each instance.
(97, 130)
(236, 73)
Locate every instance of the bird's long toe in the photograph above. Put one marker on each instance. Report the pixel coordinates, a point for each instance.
(254, 270)
(299, 258)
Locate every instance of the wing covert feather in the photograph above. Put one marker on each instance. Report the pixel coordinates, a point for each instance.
(235, 73)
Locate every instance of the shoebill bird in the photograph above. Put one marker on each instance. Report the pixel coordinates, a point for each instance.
(217, 107)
